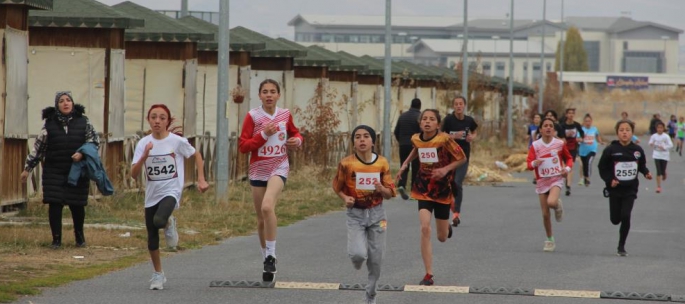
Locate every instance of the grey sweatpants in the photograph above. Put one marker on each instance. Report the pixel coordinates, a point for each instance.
(366, 241)
(458, 191)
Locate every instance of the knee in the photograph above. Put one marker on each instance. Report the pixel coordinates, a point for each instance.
(357, 257)
(159, 222)
(442, 238)
(267, 209)
(615, 221)
(545, 214)
(425, 230)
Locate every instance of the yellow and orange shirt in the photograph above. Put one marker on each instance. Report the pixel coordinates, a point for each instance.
(434, 153)
(356, 178)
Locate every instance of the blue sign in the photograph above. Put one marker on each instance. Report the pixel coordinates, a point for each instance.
(628, 82)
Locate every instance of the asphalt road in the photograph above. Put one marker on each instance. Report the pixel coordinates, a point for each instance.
(499, 244)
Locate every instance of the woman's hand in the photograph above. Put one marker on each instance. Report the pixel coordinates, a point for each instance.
(24, 176)
(349, 201)
(270, 129)
(292, 143)
(77, 157)
(614, 183)
(438, 173)
(398, 177)
(202, 185)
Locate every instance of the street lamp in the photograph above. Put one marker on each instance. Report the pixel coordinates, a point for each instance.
(561, 57)
(495, 38)
(541, 90)
(663, 64)
(402, 35)
(413, 40)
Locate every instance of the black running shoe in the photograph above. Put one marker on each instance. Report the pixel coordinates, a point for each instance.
(535, 182)
(269, 273)
(568, 191)
(587, 182)
(427, 280)
(449, 234)
(403, 193)
(456, 221)
(621, 251)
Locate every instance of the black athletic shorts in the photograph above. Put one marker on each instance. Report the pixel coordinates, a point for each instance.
(262, 184)
(442, 211)
(574, 153)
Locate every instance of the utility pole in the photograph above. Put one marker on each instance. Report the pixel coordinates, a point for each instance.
(222, 131)
(464, 55)
(561, 57)
(184, 8)
(541, 91)
(387, 153)
(510, 93)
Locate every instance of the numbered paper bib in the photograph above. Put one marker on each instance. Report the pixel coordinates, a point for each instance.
(274, 146)
(161, 167)
(571, 133)
(549, 167)
(366, 181)
(625, 171)
(428, 155)
(589, 139)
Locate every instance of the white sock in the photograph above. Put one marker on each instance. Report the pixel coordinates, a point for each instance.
(263, 250)
(271, 248)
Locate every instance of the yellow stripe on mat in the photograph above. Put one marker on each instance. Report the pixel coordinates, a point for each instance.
(423, 288)
(307, 285)
(567, 293)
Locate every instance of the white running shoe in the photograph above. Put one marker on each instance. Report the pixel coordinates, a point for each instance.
(549, 246)
(170, 233)
(559, 212)
(157, 281)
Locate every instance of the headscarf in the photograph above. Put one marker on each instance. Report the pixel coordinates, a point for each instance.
(64, 119)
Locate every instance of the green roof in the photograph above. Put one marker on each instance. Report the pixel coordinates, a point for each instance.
(379, 65)
(418, 71)
(236, 44)
(344, 63)
(159, 27)
(82, 14)
(312, 59)
(358, 61)
(37, 4)
(274, 48)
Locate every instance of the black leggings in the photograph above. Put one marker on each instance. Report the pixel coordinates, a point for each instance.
(620, 209)
(156, 217)
(587, 164)
(660, 165)
(405, 150)
(78, 215)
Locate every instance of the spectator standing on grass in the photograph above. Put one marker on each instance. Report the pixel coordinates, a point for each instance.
(407, 125)
(161, 156)
(268, 132)
(462, 129)
(65, 130)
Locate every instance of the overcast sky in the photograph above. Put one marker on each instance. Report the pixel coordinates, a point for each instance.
(270, 17)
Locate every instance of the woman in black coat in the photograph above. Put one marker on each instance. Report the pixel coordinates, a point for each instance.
(65, 130)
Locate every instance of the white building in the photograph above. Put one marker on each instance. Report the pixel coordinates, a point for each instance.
(613, 44)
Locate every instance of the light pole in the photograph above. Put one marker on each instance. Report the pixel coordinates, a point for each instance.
(464, 56)
(386, 83)
(184, 8)
(541, 90)
(495, 38)
(663, 64)
(510, 93)
(413, 40)
(222, 131)
(402, 35)
(561, 57)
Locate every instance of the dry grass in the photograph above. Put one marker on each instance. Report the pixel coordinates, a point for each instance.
(484, 153)
(28, 263)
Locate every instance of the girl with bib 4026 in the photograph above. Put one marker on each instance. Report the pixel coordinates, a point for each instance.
(160, 157)
(268, 132)
(551, 161)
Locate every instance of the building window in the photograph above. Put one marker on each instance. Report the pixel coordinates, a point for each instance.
(487, 68)
(625, 45)
(499, 71)
(548, 66)
(525, 72)
(592, 50)
(354, 38)
(327, 38)
(364, 39)
(299, 37)
(643, 62)
(377, 39)
(536, 72)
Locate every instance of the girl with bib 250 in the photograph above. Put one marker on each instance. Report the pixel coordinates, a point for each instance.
(438, 155)
(619, 166)
(160, 156)
(268, 131)
(550, 159)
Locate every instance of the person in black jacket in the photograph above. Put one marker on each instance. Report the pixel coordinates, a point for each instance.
(652, 123)
(65, 130)
(619, 165)
(572, 131)
(408, 125)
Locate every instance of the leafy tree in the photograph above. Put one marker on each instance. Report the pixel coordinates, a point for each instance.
(575, 57)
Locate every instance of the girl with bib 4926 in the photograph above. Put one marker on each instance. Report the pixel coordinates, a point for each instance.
(268, 131)
(551, 161)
